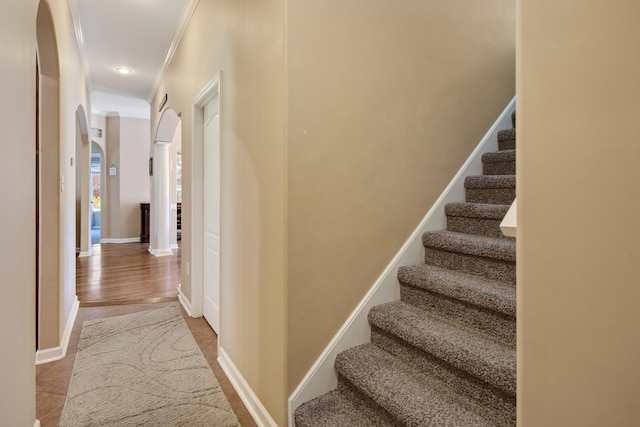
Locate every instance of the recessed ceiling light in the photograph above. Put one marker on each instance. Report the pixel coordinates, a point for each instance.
(123, 70)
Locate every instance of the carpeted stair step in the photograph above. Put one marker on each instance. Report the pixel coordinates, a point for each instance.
(494, 189)
(507, 139)
(476, 354)
(475, 218)
(490, 257)
(499, 162)
(482, 304)
(342, 407)
(411, 398)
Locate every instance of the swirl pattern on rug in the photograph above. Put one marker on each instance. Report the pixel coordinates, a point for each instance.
(143, 369)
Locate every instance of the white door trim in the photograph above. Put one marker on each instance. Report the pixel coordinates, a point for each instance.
(208, 93)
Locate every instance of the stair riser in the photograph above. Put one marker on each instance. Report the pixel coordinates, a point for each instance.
(481, 395)
(477, 226)
(507, 144)
(507, 139)
(499, 168)
(486, 267)
(498, 325)
(496, 196)
(379, 416)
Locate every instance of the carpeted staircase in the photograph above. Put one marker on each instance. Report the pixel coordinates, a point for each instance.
(444, 355)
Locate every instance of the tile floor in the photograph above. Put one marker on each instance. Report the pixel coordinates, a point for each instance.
(52, 379)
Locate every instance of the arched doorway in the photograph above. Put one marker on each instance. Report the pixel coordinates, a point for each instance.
(160, 210)
(48, 181)
(83, 185)
(96, 178)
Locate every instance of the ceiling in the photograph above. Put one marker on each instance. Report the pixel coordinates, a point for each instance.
(140, 35)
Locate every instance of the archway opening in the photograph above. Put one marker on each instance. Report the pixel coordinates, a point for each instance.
(83, 197)
(163, 213)
(49, 181)
(96, 189)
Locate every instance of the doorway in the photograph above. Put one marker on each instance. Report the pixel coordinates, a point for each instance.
(207, 223)
(96, 192)
(50, 182)
(81, 164)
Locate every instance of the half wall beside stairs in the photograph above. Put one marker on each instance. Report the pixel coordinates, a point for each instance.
(444, 352)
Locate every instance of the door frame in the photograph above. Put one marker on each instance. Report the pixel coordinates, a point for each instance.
(208, 93)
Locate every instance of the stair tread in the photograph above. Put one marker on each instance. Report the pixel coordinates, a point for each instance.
(476, 210)
(499, 156)
(490, 360)
(336, 409)
(490, 181)
(410, 398)
(477, 290)
(482, 246)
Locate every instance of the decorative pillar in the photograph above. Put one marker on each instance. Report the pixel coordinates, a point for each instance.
(160, 215)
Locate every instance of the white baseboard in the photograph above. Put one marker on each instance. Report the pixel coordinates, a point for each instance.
(37, 423)
(124, 240)
(160, 252)
(186, 304)
(56, 353)
(86, 254)
(321, 378)
(254, 406)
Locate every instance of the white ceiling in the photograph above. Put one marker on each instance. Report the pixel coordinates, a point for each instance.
(140, 35)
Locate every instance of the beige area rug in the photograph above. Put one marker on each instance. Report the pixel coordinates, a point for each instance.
(143, 369)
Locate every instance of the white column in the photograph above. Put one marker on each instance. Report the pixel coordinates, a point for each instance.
(160, 215)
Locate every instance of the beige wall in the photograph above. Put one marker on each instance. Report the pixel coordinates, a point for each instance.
(245, 40)
(134, 173)
(73, 93)
(127, 147)
(17, 222)
(58, 243)
(111, 206)
(386, 101)
(578, 155)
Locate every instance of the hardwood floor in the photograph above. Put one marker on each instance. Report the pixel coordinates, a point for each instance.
(125, 274)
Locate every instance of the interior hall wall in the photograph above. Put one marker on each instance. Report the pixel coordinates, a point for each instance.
(134, 174)
(578, 98)
(244, 40)
(17, 220)
(386, 101)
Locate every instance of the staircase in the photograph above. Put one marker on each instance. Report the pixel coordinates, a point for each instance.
(444, 354)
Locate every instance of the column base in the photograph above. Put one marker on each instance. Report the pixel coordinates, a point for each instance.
(160, 252)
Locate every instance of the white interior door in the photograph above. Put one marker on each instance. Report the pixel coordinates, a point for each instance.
(211, 219)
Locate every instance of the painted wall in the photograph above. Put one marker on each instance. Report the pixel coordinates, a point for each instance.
(245, 40)
(127, 147)
(73, 93)
(134, 173)
(17, 223)
(58, 299)
(111, 206)
(386, 101)
(578, 154)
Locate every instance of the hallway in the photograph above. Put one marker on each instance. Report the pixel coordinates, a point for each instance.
(121, 279)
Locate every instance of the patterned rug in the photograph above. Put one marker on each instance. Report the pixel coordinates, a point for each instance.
(143, 369)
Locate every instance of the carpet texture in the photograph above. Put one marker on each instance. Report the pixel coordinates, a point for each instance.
(444, 355)
(143, 369)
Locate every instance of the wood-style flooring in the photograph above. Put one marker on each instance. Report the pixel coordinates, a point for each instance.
(126, 273)
(121, 279)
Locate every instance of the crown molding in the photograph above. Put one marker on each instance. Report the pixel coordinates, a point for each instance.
(185, 16)
(82, 48)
